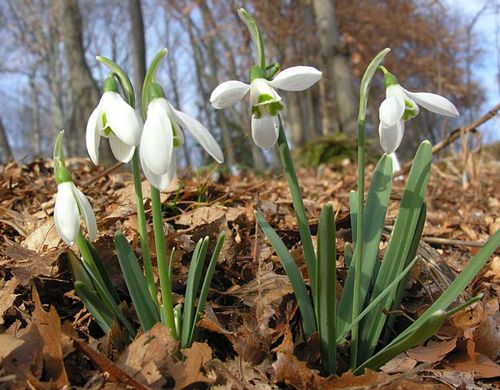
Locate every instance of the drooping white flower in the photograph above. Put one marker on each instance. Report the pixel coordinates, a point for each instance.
(114, 119)
(71, 205)
(162, 135)
(401, 105)
(264, 100)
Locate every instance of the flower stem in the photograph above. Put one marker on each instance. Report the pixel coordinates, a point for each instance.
(85, 253)
(359, 239)
(161, 256)
(141, 220)
(298, 205)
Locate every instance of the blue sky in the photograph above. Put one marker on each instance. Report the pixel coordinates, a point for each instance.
(487, 30)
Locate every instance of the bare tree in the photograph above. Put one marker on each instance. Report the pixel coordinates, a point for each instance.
(4, 143)
(337, 64)
(85, 92)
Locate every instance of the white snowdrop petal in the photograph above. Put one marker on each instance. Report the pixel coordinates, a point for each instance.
(391, 110)
(88, 214)
(120, 149)
(160, 182)
(228, 93)
(66, 214)
(434, 103)
(391, 136)
(92, 135)
(265, 131)
(297, 78)
(200, 133)
(122, 119)
(157, 141)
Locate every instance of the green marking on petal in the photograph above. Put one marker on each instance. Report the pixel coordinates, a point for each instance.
(410, 111)
(264, 98)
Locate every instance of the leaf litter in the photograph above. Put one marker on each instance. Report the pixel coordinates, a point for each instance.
(250, 333)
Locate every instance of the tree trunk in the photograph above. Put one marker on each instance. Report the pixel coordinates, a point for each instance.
(337, 65)
(85, 93)
(4, 143)
(35, 117)
(139, 45)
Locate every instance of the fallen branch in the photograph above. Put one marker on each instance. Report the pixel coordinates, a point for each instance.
(453, 136)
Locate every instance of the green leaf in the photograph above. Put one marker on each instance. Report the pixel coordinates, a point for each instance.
(398, 248)
(293, 273)
(123, 79)
(347, 255)
(206, 285)
(377, 202)
(108, 300)
(420, 334)
(459, 284)
(102, 271)
(136, 283)
(402, 286)
(353, 211)
(326, 283)
(367, 80)
(78, 270)
(95, 306)
(390, 288)
(193, 283)
(150, 78)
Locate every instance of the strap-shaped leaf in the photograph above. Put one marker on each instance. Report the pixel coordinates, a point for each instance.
(420, 334)
(402, 286)
(377, 202)
(102, 271)
(390, 288)
(108, 300)
(326, 283)
(459, 284)
(206, 285)
(136, 283)
(293, 273)
(95, 306)
(398, 248)
(193, 283)
(353, 211)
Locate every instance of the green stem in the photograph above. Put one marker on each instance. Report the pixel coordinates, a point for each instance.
(141, 220)
(359, 239)
(298, 205)
(161, 256)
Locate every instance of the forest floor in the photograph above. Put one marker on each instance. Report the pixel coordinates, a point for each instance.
(251, 337)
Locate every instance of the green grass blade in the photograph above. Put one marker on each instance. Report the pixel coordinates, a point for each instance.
(206, 285)
(293, 273)
(377, 202)
(95, 306)
(326, 283)
(398, 248)
(390, 288)
(420, 334)
(136, 283)
(102, 271)
(193, 283)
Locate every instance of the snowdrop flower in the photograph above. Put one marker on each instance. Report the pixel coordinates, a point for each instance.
(264, 100)
(401, 105)
(71, 205)
(162, 135)
(114, 119)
